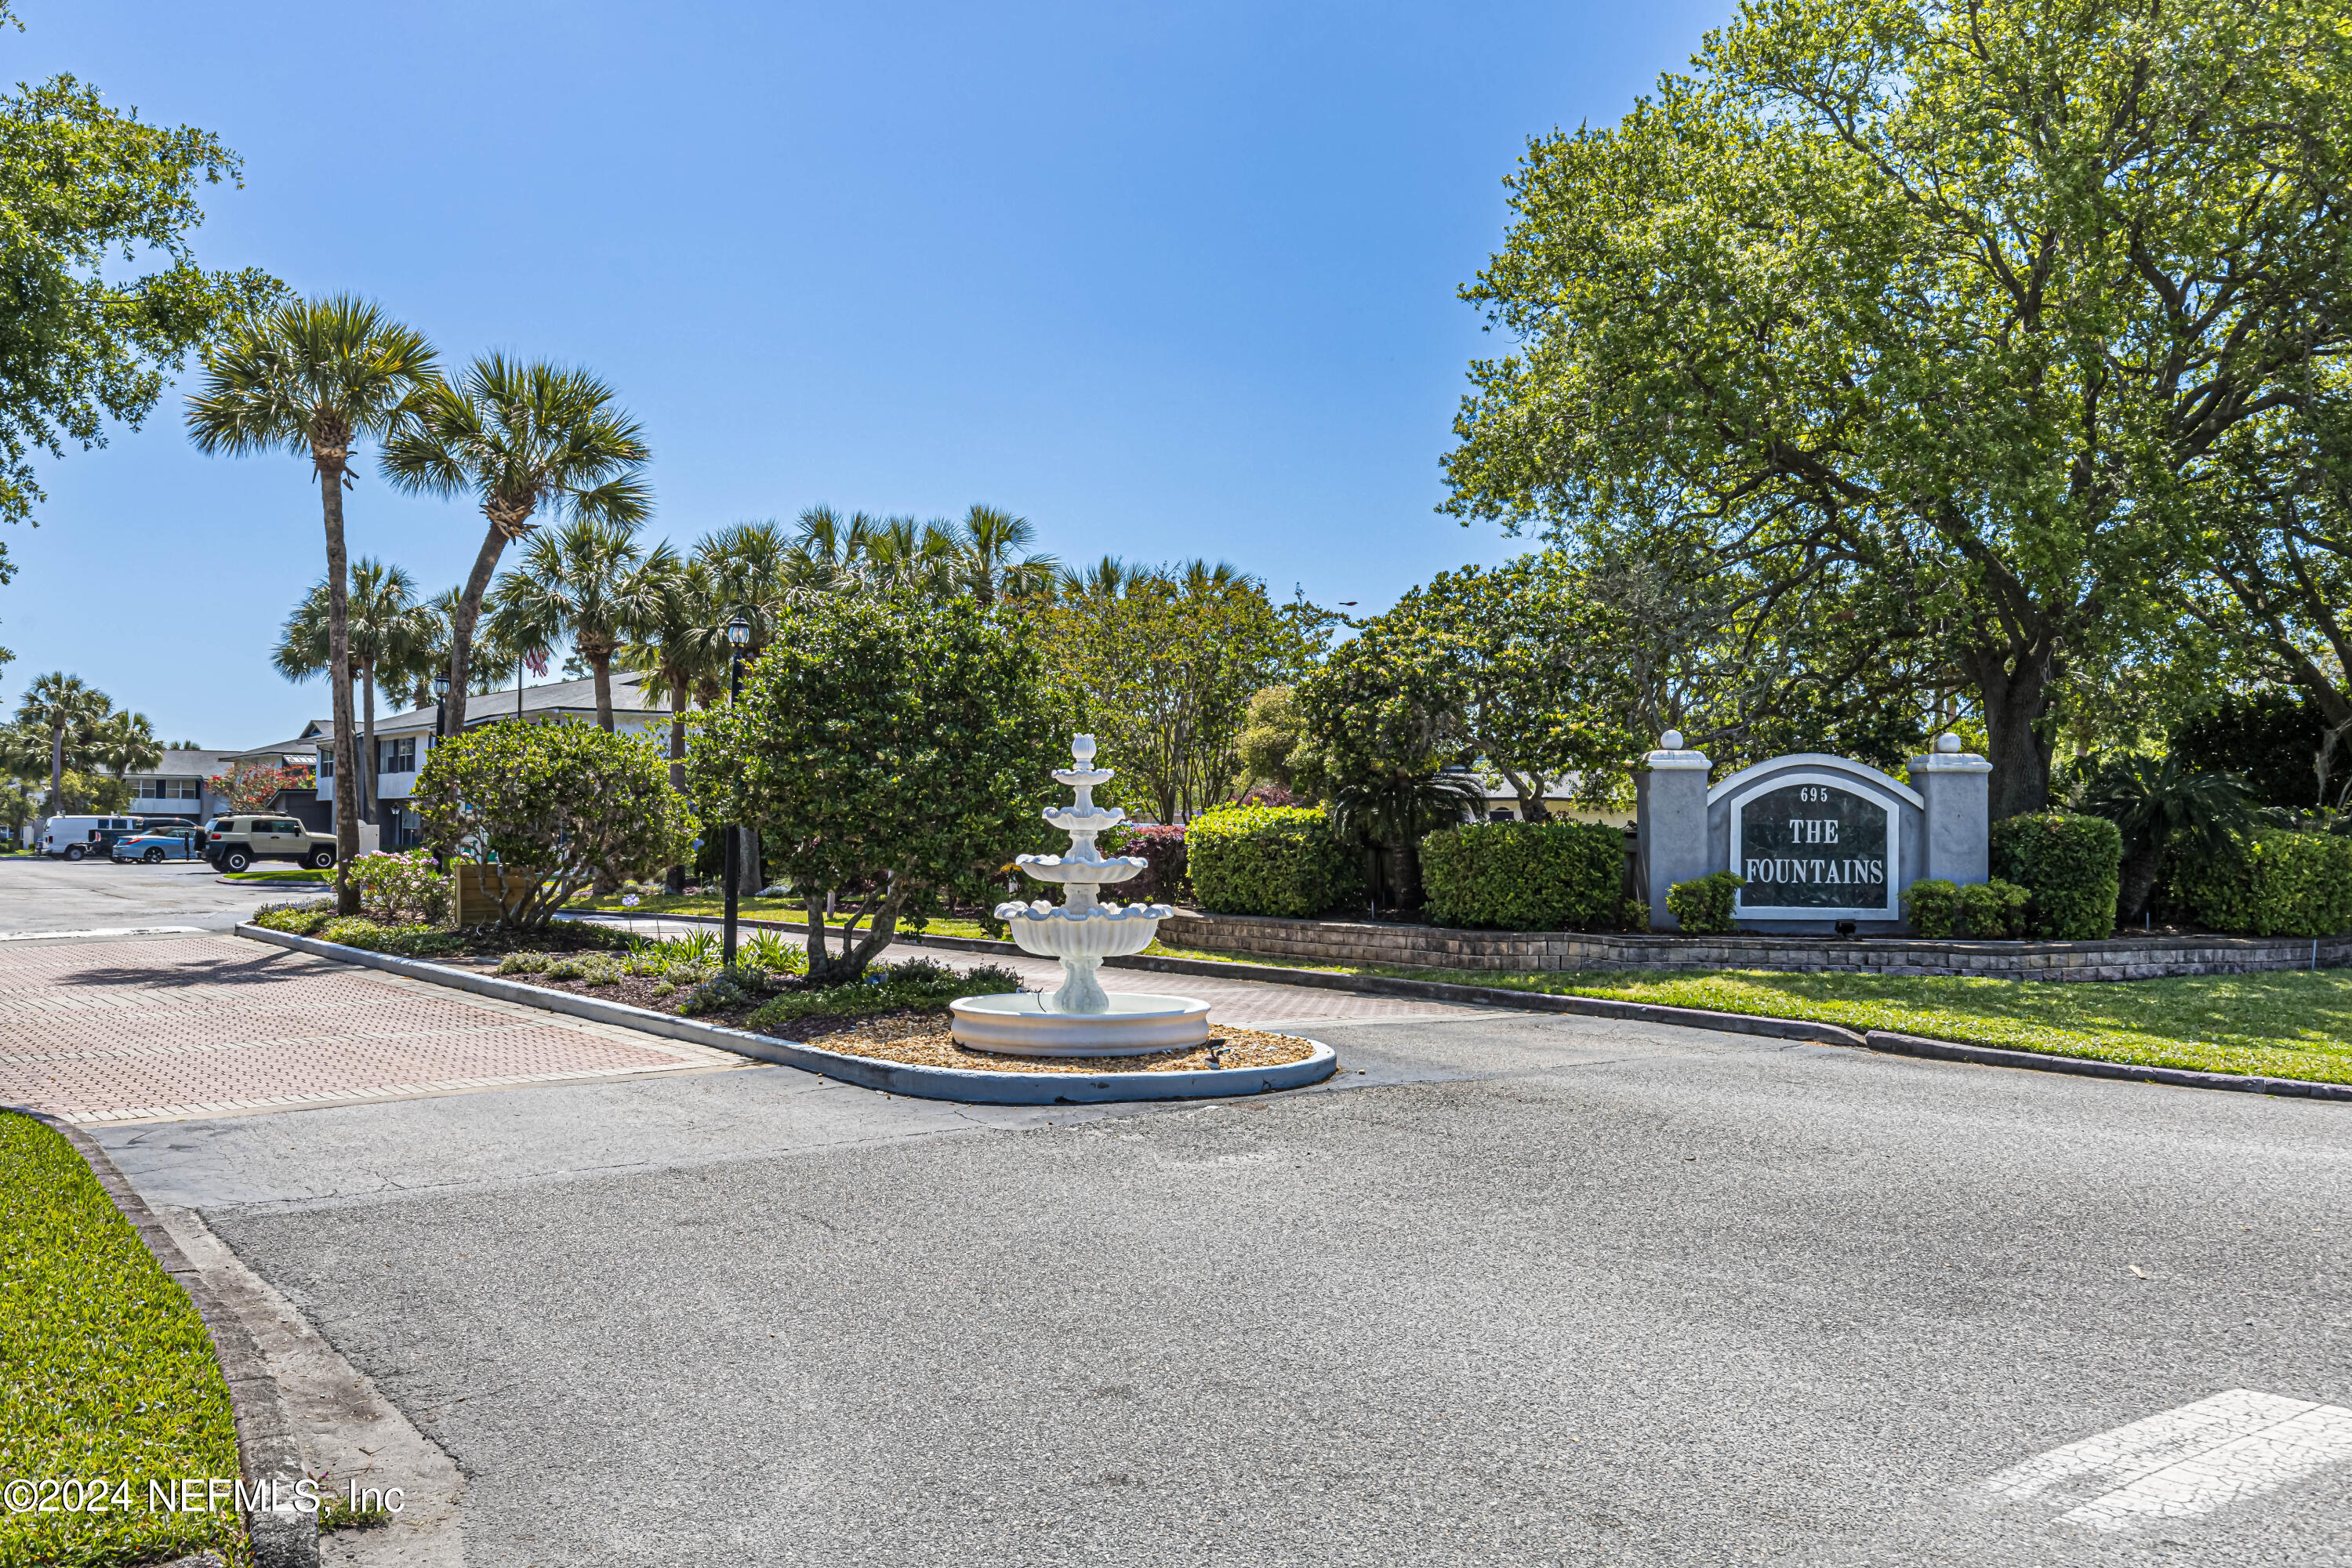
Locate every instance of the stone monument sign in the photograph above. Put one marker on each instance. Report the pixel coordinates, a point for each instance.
(1819, 840)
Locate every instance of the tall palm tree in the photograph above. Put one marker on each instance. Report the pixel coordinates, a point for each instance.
(1104, 581)
(580, 580)
(315, 377)
(828, 549)
(124, 742)
(756, 573)
(676, 637)
(62, 705)
(391, 638)
(518, 436)
(998, 564)
(492, 659)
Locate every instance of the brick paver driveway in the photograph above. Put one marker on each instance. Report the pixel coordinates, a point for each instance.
(184, 1027)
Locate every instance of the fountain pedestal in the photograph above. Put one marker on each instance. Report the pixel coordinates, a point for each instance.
(1079, 1018)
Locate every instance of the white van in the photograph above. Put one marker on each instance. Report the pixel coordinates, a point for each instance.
(78, 837)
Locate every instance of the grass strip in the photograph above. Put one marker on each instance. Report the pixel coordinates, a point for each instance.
(2294, 1024)
(106, 1371)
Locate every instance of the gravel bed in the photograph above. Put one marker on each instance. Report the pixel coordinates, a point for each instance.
(923, 1040)
(922, 1037)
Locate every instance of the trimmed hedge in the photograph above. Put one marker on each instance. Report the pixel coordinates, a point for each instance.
(1938, 910)
(2071, 866)
(1702, 906)
(2284, 884)
(1270, 860)
(1524, 875)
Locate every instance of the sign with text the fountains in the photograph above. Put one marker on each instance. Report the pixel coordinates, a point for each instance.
(1812, 844)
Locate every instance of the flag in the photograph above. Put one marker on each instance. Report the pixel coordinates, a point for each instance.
(536, 661)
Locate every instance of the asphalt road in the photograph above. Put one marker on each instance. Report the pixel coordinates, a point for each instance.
(40, 896)
(1512, 1290)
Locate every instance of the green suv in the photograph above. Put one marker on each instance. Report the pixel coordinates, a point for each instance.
(234, 843)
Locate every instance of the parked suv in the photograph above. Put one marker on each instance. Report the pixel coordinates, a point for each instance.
(234, 843)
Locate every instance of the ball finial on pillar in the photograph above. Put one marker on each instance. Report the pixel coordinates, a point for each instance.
(1948, 743)
(1672, 740)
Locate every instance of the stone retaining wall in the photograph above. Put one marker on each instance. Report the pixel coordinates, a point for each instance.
(1436, 947)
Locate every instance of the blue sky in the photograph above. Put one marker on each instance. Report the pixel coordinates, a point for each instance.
(1170, 280)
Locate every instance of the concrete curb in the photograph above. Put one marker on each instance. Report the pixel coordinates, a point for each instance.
(867, 1073)
(268, 1449)
(1893, 1044)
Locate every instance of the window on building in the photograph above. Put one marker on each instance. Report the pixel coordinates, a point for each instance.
(326, 764)
(396, 756)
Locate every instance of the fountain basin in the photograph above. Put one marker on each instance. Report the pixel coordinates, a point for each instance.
(1104, 931)
(1136, 1024)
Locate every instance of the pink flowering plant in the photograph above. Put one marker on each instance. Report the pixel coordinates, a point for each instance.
(401, 887)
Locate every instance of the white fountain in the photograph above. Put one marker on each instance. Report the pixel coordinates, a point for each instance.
(1081, 1019)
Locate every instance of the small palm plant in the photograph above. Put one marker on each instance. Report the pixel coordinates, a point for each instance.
(315, 377)
(2162, 808)
(518, 436)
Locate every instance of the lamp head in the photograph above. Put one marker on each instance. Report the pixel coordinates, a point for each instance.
(440, 687)
(739, 634)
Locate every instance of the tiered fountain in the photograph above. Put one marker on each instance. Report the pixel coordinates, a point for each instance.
(1080, 1019)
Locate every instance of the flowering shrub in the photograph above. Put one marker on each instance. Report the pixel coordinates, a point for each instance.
(401, 887)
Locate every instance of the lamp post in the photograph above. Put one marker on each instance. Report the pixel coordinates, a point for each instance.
(739, 637)
(440, 704)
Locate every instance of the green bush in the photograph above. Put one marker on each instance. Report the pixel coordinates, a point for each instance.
(2071, 867)
(2282, 884)
(403, 941)
(1270, 860)
(1524, 875)
(296, 920)
(1932, 905)
(1702, 906)
(1994, 909)
(919, 984)
(1938, 910)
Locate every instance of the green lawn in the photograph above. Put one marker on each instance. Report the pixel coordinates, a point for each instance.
(2284, 1024)
(105, 1370)
(292, 874)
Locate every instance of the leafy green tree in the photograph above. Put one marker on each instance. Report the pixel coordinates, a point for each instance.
(1162, 669)
(887, 750)
(18, 806)
(392, 639)
(87, 190)
(315, 377)
(581, 580)
(558, 806)
(517, 436)
(1944, 310)
(1275, 747)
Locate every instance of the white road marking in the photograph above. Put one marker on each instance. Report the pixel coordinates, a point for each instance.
(101, 930)
(2201, 1457)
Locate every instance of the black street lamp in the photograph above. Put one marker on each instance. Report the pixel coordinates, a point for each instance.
(739, 637)
(440, 704)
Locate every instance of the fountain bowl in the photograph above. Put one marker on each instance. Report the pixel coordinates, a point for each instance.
(1136, 1024)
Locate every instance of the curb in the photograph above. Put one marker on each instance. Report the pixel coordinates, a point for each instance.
(1896, 1045)
(867, 1073)
(267, 1450)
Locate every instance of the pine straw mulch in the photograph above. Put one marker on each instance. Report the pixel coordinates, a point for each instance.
(922, 1039)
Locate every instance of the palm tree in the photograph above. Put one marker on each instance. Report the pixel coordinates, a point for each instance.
(124, 742)
(676, 637)
(997, 560)
(315, 377)
(62, 705)
(518, 436)
(828, 551)
(1104, 581)
(493, 658)
(2161, 809)
(581, 580)
(391, 636)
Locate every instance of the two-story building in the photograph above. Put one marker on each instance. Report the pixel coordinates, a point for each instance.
(403, 742)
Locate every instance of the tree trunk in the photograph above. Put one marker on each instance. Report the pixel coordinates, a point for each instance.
(461, 627)
(600, 661)
(674, 881)
(367, 682)
(2013, 688)
(747, 866)
(339, 676)
(57, 769)
(2140, 873)
(828, 969)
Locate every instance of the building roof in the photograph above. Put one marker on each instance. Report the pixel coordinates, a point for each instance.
(555, 699)
(180, 763)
